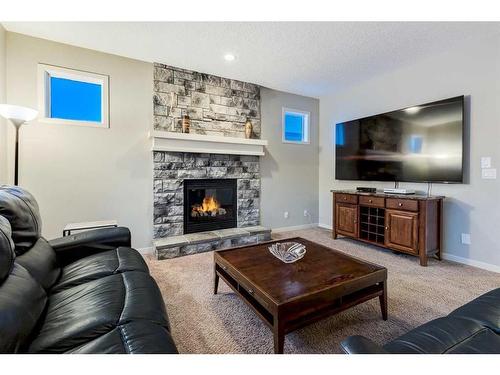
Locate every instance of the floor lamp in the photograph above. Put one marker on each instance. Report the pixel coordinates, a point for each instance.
(18, 116)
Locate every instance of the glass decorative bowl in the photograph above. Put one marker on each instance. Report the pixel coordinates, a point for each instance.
(288, 252)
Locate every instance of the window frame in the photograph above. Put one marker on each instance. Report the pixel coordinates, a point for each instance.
(45, 72)
(305, 125)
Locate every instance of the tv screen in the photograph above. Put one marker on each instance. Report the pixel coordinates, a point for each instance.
(423, 143)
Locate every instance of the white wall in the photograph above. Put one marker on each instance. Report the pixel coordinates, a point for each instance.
(289, 172)
(86, 173)
(3, 129)
(472, 69)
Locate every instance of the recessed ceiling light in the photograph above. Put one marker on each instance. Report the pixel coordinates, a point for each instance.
(229, 57)
(412, 110)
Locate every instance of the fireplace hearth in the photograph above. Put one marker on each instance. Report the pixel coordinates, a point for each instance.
(209, 204)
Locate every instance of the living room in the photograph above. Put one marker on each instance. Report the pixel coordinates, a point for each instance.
(189, 187)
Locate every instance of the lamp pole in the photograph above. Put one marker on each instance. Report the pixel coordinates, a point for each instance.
(16, 157)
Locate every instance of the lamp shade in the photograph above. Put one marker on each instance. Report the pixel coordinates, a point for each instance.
(17, 114)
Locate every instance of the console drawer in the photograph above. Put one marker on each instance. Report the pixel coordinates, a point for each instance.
(402, 204)
(346, 198)
(372, 201)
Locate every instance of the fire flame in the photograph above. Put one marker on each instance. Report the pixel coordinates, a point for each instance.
(210, 204)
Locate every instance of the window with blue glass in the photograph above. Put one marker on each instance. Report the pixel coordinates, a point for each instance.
(74, 97)
(295, 126)
(75, 100)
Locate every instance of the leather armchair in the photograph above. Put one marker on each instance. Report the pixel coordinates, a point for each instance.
(90, 242)
(86, 293)
(472, 328)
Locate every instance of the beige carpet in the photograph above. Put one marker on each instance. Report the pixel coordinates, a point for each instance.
(206, 323)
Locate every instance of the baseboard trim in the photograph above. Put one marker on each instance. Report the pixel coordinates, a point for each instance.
(325, 226)
(145, 250)
(471, 262)
(451, 257)
(294, 227)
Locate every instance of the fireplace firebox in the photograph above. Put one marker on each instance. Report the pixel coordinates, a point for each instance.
(209, 204)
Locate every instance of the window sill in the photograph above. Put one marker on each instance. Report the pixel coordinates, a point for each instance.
(56, 121)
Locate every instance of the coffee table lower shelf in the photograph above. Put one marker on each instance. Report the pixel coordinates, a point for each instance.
(283, 322)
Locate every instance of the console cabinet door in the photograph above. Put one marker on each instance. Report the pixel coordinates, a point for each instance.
(346, 219)
(401, 231)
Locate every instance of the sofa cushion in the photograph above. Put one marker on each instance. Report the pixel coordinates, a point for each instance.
(435, 337)
(6, 248)
(83, 313)
(41, 263)
(21, 209)
(100, 265)
(22, 302)
(484, 341)
(485, 310)
(131, 338)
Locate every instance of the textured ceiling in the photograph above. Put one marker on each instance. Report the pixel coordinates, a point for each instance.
(305, 58)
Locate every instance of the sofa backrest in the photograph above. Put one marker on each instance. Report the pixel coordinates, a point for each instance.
(22, 298)
(7, 254)
(32, 251)
(21, 209)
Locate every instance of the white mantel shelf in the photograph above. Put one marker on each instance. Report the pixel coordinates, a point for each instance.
(211, 144)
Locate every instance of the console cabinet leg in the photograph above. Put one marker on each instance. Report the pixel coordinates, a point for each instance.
(423, 259)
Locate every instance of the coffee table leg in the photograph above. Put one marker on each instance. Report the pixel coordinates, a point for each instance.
(383, 300)
(279, 337)
(216, 282)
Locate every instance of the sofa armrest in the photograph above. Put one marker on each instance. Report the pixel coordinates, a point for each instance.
(80, 245)
(361, 345)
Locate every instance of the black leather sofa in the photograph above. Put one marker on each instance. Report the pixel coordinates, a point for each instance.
(471, 329)
(85, 293)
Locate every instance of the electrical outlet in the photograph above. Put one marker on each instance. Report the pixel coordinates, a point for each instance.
(486, 162)
(466, 238)
(285, 215)
(306, 213)
(489, 173)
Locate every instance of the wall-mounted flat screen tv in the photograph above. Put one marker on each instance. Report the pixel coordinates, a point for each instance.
(423, 143)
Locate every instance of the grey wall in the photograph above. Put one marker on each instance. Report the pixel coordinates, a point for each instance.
(289, 172)
(81, 174)
(3, 130)
(86, 173)
(472, 69)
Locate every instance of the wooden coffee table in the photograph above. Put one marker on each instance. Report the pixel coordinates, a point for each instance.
(290, 296)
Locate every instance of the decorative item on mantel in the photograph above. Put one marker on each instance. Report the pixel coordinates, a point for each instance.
(248, 129)
(288, 252)
(186, 122)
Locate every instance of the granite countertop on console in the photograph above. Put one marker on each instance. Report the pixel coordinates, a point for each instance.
(415, 196)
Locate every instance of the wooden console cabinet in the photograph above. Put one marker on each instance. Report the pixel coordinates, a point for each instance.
(410, 224)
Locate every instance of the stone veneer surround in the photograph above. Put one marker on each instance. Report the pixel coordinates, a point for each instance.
(216, 105)
(170, 170)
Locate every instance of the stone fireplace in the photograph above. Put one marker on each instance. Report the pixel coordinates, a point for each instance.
(207, 182)
(172, 169)
(183, 181)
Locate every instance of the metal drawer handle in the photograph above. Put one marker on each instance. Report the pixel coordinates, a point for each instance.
(386, 228)
(224, 268)
(370, 201)
(345, 198)
(250, 291)
(400, 204)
